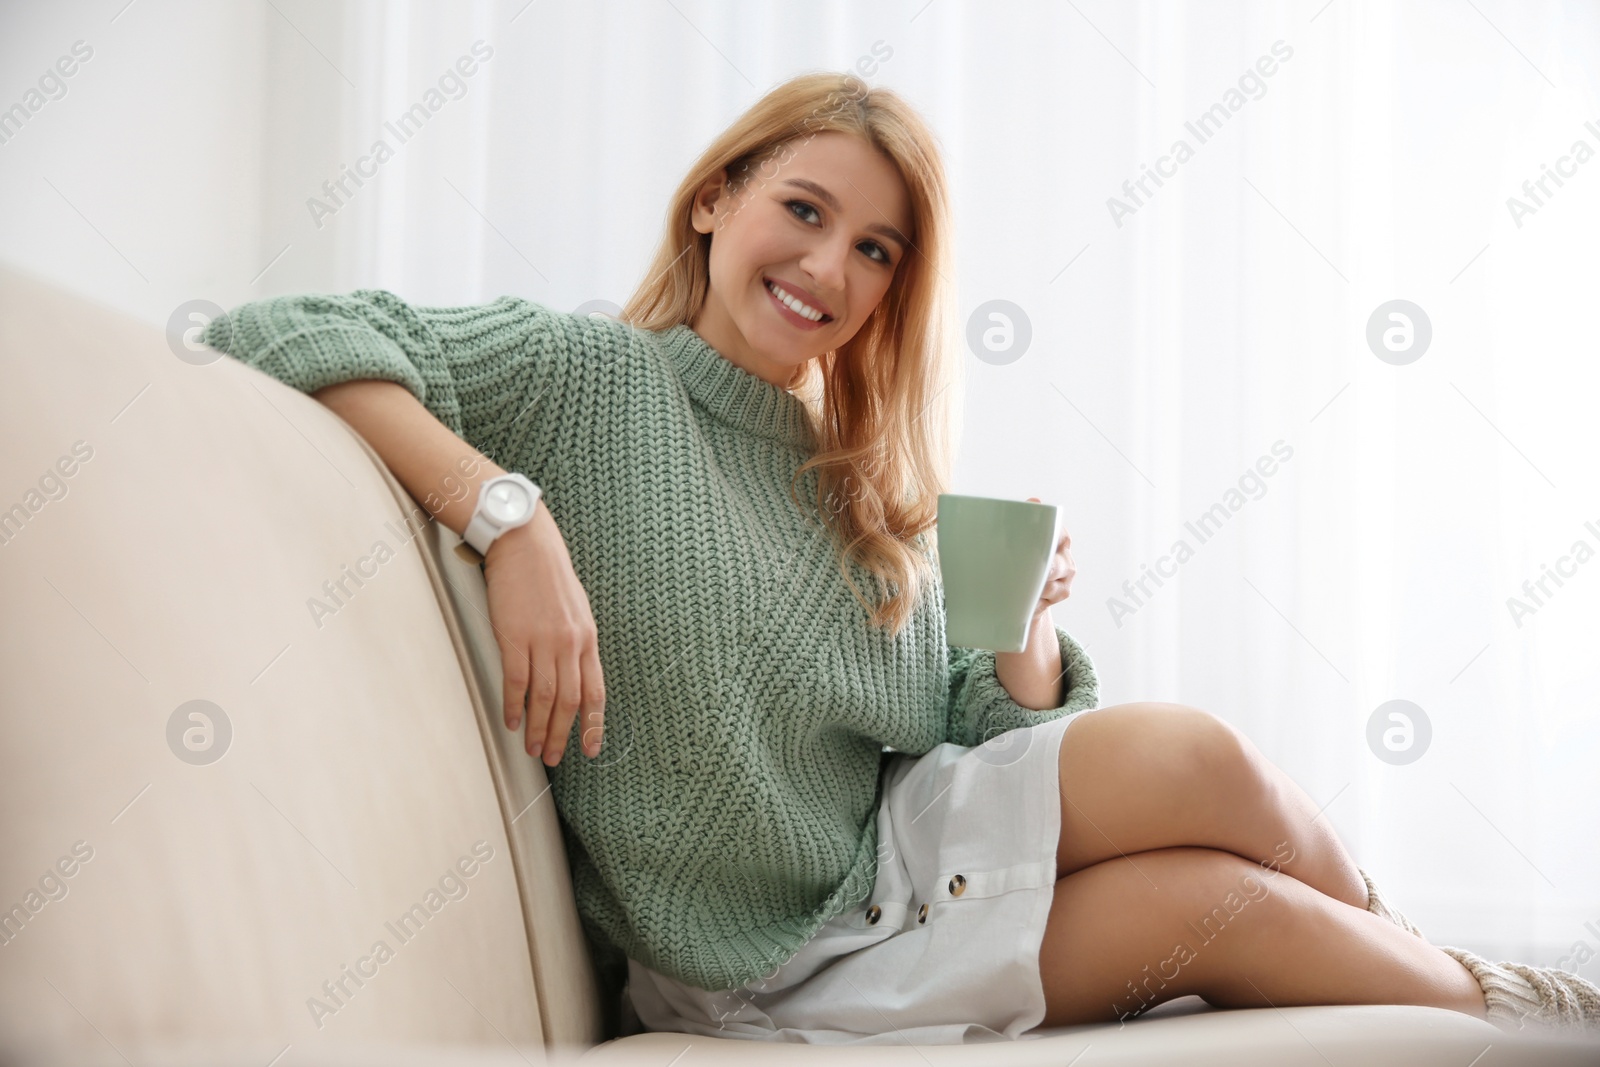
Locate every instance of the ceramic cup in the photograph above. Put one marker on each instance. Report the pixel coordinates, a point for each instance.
(993, 558)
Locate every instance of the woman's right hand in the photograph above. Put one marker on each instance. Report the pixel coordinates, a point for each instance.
(549, 649)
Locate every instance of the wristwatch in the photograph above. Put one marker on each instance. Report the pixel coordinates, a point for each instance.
(504, 503)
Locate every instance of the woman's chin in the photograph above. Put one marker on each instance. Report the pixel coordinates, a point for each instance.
(778, 346)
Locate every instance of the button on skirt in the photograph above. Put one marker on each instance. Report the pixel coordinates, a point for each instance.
(945, 950)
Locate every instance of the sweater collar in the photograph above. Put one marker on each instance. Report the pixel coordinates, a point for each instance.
(734, 395)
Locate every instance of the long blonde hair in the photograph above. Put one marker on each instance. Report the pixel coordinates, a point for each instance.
(880, 403)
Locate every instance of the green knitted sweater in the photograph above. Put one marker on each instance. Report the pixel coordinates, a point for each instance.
(732, 809)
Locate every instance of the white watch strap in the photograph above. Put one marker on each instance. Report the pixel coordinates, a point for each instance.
(479, 534)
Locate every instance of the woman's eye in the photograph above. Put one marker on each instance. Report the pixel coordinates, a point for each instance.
(802, 205)
(883, 254)
(797, 207)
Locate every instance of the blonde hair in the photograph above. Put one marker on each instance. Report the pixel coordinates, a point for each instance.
(880, 404)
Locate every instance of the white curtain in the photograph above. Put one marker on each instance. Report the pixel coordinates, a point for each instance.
(1358, 527)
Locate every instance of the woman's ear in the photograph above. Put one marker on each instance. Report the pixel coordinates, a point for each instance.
(703, 214)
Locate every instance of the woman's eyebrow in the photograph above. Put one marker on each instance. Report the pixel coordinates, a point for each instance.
(833, 202)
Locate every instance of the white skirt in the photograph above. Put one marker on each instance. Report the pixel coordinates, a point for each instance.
(946, 948)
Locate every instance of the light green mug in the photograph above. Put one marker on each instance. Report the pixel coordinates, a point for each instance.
(993, 558)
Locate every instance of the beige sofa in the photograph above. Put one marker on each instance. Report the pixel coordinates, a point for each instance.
(243, 829)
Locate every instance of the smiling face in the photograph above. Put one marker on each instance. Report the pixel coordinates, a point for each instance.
(827, 227)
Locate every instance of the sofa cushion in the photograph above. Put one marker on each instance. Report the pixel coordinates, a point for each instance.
(1185, 1032)
(238, 748)
(562, 966)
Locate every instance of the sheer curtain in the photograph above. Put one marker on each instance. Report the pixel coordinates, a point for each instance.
(1272, 517)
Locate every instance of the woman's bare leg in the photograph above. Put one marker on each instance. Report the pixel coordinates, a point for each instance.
(1135, 777)
(1235, 933)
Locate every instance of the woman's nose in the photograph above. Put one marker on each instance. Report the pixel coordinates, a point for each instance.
(825, 266)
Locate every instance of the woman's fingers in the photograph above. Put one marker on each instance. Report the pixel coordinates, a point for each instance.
(565, 708)
(541, 699)
(594, 700)
(515, 668)
(548, 643)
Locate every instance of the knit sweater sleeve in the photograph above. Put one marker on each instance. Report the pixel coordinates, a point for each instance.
(484, 371)
(980, 707)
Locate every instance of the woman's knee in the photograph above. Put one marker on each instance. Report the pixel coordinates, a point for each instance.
(1179, 744)
(1223, 748)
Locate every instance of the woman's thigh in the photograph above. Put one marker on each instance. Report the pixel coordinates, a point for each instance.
(1135, 777)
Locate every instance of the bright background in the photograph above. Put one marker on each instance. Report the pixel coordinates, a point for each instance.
(1169, 353)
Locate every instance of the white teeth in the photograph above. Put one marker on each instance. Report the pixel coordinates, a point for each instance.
(794, 304)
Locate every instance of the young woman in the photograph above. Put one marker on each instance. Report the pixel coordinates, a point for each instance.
(810, 819)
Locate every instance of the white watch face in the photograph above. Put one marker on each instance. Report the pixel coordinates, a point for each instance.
(507, 502)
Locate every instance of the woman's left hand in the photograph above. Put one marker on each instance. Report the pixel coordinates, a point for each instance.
(1058, 579)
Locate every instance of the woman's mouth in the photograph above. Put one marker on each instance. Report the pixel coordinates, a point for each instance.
(792, 308)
